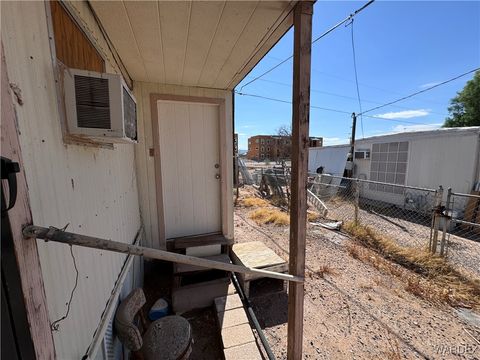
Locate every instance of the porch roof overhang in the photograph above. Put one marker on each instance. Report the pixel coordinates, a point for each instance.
(211, 44)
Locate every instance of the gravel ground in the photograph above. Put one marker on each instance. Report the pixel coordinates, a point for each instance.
(409, 230)
(356, 311)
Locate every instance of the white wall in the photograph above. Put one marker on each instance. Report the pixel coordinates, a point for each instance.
(93, 190)
(145, 162)
(448, 158)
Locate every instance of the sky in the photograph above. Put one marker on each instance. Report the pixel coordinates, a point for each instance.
(401, 47)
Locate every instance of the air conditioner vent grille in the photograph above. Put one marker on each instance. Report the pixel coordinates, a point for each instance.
(92, 98)
(129, 115)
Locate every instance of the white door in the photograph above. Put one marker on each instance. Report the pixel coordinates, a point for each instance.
(190, 166)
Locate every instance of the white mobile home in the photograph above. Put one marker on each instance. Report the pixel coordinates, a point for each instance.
(449, 157)
(174, 66)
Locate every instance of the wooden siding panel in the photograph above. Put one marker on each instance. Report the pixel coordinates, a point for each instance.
(72, 46)
(116, 21)
(200, 38)
(235, 18)
(144, 20)
(174, 25)
(190, 43)
(266, 14)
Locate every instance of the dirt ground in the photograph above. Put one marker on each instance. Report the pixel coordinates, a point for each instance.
(355, 311)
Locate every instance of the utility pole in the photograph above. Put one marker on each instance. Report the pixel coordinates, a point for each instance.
(352, 143)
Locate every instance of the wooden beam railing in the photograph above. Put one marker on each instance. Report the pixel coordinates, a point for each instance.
(57, 235)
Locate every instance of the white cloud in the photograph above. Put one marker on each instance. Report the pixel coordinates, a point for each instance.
(406, 114)
(328, 141)
(406, 128)
(419, 127)
(427, 85)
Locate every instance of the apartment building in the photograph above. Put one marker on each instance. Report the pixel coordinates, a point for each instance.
(274, 147)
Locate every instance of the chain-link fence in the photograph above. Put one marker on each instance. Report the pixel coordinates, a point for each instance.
(461, 228)
(404, 213)
(442, 222)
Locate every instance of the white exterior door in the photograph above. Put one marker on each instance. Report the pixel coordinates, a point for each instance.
(190, 167)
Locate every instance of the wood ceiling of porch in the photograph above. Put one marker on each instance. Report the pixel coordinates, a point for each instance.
(210, 44)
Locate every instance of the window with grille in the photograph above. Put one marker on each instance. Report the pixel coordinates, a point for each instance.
(389, 165)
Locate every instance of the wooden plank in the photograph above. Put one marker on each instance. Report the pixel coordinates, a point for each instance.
(145, 25)
(52, 234)
(199, 240)
(175, 26)
(26, 251)
(72, 46)
(185, 269)
(298, 211)
(280, 268)
(258, 28)
(200, 38)
(114, 18)
(233, 21)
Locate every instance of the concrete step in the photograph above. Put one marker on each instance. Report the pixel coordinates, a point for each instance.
(237, 336)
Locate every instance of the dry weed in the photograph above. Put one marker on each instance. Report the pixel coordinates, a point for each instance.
(325, 270)
(439, 280)
(269, 216)
(393, 352)
(254, 202)
(312, 216)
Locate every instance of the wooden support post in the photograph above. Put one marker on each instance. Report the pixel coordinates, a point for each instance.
(298, 209)
(28, 262)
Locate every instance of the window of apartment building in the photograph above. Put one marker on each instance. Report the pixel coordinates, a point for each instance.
(262, 141)
(256, 147)
(389, 165)
(268, 141)
(256, 140)
(72, 47)
(262, 156)
(262, 149)
(268, 148)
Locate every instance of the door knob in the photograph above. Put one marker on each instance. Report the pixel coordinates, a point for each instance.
(217, 166)
(217, 176)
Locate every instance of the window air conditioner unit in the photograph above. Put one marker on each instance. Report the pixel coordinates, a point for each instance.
(100, 107)
(362, 154)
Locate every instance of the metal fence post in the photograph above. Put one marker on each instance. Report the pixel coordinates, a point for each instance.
(446, 222)
(357, 198)
(435, 220)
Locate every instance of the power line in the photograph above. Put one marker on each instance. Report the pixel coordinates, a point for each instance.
(348, 18)
(356, 77)
(327, 109)
(289, 102)
(342, 96)
(420, 92)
